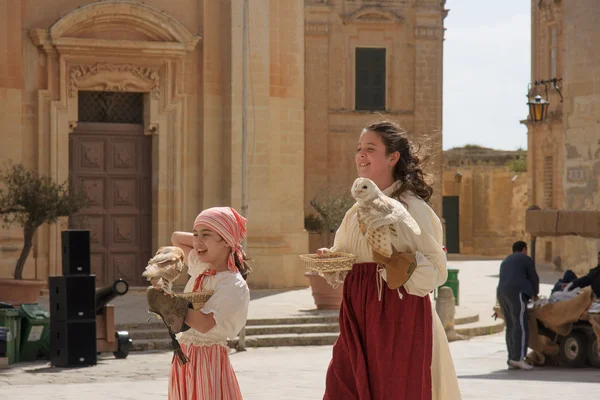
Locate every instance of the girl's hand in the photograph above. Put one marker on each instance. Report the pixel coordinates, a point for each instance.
(322, 251)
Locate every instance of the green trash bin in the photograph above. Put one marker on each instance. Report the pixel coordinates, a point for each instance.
(453, 283)
(34, 322)
(10, 318)
(44, 351)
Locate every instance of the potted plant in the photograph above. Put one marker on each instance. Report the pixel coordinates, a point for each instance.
(331, 205)
(29, 200)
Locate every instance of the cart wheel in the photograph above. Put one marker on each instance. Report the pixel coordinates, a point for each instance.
(573, 350)
(125, 344)
(594, 354)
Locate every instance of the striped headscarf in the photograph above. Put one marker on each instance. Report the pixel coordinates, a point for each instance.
(228, 224)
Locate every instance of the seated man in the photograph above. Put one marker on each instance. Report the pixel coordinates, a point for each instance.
(568, 277)
(591, 279)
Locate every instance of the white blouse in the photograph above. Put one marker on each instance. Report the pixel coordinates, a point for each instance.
(428, 246)
(229, 304)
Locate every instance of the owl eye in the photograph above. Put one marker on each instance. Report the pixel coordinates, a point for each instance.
(365, 187)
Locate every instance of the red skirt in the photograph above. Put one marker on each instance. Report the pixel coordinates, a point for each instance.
(384, 348)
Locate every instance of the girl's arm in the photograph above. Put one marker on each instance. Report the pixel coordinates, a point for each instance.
(199, 321)
(430, 256)
(183, 240)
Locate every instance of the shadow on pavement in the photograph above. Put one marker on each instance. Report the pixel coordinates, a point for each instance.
(546, 374)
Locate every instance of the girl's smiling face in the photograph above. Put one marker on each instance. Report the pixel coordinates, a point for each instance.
(210, 247)
(372, 161)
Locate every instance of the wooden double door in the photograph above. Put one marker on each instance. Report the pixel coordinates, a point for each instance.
(112, 163)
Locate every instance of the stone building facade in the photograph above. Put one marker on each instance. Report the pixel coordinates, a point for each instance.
(403, 39)
(140, 103)
(564, 149)
(170, 74)
(484, 200)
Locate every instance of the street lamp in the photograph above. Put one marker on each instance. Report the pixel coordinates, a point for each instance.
(538, 108)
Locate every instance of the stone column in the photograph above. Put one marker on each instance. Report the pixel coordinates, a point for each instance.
(429, 37)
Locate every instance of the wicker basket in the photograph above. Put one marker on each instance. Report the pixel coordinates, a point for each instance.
(198, 299)
(329, 262)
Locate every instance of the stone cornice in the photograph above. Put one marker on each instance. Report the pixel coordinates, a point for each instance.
(373, 14)
(165, 35)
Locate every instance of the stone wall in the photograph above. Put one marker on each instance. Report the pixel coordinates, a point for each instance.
(195, 49)
(567, 146)
(492, 204)
(412, 34)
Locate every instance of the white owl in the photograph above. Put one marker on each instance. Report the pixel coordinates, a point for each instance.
(164, 268)
(377, 214)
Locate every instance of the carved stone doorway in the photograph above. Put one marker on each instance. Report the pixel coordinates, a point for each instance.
(112, 162)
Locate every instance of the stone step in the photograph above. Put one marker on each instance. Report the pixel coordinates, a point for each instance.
(307, 339)
(143, 334)
(151, 344)
(328, 318)
(467, 319)
(322, 319)
(252, 330)
(485, 326)
(161, 332)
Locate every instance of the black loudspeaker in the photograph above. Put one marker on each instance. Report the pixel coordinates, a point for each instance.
(73, 343)
(72, 298)
(76, 252)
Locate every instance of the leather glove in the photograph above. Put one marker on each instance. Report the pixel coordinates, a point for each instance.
(398, 268)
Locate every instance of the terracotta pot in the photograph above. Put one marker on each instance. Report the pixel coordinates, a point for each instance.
(326, 297)
(16, 292)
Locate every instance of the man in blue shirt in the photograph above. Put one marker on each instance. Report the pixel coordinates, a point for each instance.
(518, 283)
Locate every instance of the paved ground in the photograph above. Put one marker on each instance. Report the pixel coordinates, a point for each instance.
(298, 373)
(293, 373)
(478, 280)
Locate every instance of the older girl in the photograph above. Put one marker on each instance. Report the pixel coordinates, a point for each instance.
(392, 344)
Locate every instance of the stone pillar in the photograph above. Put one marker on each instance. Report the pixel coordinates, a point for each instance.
(445, 308)
(429, 37)
(275, 79)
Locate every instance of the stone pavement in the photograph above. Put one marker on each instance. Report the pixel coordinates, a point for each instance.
(298, 373)
(478, 280)
(292, 373)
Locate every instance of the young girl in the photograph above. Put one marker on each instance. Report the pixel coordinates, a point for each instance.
(392, 344)
(215, 262)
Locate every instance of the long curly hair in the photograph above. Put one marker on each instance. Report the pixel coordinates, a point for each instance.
(409, 168)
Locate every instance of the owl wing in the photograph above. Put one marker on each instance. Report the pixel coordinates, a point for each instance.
(167, 264)
(390, 211)
(167, 254)
(380, 240)
(171, 273)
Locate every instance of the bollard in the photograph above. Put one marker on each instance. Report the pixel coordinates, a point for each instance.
(446, 309)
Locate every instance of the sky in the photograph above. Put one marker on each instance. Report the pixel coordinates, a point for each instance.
(487, 59)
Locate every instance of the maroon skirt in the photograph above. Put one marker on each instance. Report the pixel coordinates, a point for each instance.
(384, 348)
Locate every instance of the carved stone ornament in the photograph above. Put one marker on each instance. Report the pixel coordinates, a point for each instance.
(151, 129)
(114, 78)
(72, 126)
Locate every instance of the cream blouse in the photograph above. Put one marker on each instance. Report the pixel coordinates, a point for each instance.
(428, 246)
(229, 304)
